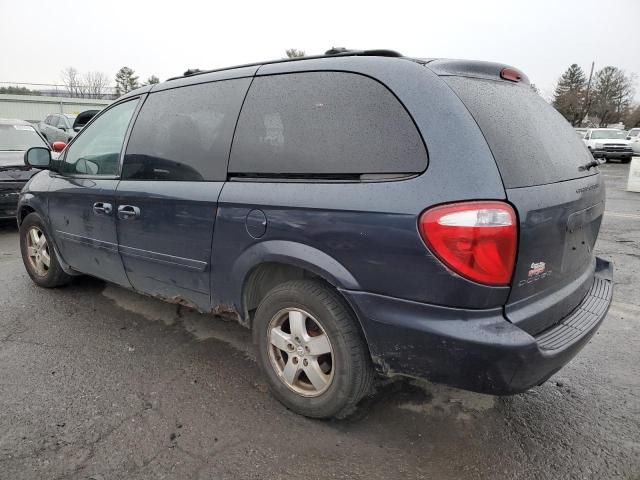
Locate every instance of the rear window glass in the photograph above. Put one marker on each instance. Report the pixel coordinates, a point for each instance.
(324, 123)
(531, 142)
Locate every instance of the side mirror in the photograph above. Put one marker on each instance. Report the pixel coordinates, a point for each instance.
(628, 137)
(58, 146)
(38, 157)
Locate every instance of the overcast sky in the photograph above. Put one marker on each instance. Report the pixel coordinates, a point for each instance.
(39, 38)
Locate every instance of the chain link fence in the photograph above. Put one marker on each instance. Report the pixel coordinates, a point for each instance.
(58, 90)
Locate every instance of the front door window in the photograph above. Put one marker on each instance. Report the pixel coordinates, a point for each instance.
(96, 151)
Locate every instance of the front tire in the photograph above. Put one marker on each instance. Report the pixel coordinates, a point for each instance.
(311, 350)
(38, 254)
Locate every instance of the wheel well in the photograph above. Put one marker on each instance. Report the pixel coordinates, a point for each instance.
(265, 277)
(24, 211)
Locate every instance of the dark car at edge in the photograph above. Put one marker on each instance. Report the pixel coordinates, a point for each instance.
(364, 213)
(16, 137)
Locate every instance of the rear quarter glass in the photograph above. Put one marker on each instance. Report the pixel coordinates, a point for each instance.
(531, 142)
(325, 123)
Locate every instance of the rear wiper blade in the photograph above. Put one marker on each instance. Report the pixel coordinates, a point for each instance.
(589, 165)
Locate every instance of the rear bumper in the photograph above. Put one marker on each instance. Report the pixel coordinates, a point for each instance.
(477, 350)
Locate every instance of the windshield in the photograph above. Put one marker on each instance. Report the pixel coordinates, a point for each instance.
(19, 137)
(609, 134)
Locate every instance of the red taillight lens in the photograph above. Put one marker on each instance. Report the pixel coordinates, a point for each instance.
(477, 240)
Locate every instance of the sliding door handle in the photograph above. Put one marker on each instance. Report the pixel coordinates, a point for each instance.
(102, 208)
(126, 212)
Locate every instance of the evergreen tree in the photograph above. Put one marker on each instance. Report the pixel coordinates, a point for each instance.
(569, 95)
(294, 53)
(126, 81)
(152, 80)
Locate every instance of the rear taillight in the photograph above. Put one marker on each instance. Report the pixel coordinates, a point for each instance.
(477, 240)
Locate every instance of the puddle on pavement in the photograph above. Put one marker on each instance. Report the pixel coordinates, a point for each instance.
(417, 396)
(443, 400)
(201, 326)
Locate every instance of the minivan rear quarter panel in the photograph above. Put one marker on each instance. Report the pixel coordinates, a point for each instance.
(369, 228)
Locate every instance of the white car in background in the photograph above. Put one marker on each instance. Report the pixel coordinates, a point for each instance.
(633, 136)
(608, 143)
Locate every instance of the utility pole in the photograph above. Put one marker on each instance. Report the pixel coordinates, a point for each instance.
(587, 100)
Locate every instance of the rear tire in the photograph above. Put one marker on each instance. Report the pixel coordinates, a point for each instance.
(315, 332)
(38, 254)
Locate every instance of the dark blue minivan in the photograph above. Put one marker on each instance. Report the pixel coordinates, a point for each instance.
(362, 212)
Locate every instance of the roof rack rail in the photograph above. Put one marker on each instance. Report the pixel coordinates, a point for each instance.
(336, 50)
(333, 52)
(370, 53)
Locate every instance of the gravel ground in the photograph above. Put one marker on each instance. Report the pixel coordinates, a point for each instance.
(100, 383)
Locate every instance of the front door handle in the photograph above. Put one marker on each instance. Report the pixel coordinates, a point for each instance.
(102, 208)
(125, 212)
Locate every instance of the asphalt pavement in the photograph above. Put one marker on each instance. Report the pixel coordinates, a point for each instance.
(100, 383)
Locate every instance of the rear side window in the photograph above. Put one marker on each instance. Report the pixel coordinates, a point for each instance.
(531, 142)
(185, 133)
(324, 124)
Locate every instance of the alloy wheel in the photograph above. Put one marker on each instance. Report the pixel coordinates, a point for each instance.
(300, 352)
(38, 251)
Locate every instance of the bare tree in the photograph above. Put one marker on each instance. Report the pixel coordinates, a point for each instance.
(612, 95)
(95, 84)
(632, 118)
(72, 81)
(294, 53)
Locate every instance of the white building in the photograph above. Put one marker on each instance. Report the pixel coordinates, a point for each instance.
(35, 108)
